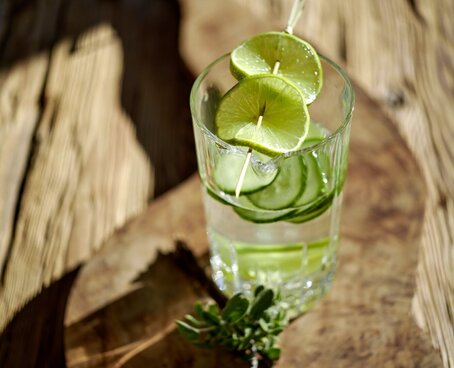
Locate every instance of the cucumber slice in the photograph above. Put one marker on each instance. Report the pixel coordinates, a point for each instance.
(285, 189)
(312, 212)
(217, 197)
(314, 183)
(260, 216)
(227, 172)
(254, 214)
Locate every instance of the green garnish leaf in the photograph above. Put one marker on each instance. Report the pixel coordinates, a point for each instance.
(249, 327)
(262, 302)
(273, 353)
(235, 308)
(258, 290)
(192, 320)
(189, 332)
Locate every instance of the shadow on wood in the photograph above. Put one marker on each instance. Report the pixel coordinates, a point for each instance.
(174, 352)
(141, 324)
(155, 82)
(34, 338)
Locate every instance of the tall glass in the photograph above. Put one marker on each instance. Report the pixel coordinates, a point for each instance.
(293, 249)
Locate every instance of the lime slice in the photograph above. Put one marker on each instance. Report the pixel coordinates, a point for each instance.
(285, 120)
(298, 60)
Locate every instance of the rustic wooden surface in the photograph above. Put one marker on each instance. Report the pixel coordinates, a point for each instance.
(129, 294)
(88, 109)
(402, 53)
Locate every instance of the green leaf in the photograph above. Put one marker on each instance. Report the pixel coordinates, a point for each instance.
(193, 320)
(213, 309)
(211, 319)
(199, 310)
(273, 353)
(187, 331)
(212, 315)
(263, 325)
(235, 308)
(281, 315)
(247, 333)
(262, 302)
(239, 326)
(258, 290)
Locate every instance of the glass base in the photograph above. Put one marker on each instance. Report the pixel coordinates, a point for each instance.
(296, 295)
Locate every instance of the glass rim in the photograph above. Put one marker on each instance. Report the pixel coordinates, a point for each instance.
(339, 131)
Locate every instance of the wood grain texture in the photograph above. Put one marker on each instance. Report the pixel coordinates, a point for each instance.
(402, 53)
(88, 175)
(19, 114)
(87, 109)
(125, 300)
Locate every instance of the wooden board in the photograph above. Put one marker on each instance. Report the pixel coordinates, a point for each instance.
(129, 294)
(87, 111)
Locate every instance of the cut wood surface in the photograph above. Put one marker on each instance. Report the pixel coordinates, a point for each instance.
(123, 305)
(87, 110)
(402, 53)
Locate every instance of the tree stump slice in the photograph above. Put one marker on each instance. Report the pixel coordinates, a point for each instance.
(124, 303)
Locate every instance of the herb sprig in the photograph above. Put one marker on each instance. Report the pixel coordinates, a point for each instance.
(249, 327)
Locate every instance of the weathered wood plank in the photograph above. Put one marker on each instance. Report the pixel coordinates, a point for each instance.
(88, 175)
(86, 108)
(127, 295)
(19, 114)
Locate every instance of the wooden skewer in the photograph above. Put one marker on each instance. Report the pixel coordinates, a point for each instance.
(295, 13)
(239, 184)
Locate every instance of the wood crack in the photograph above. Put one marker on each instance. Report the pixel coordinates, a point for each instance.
(414, 9)
(342, 39)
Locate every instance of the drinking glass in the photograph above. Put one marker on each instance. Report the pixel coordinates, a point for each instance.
(291, 250)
